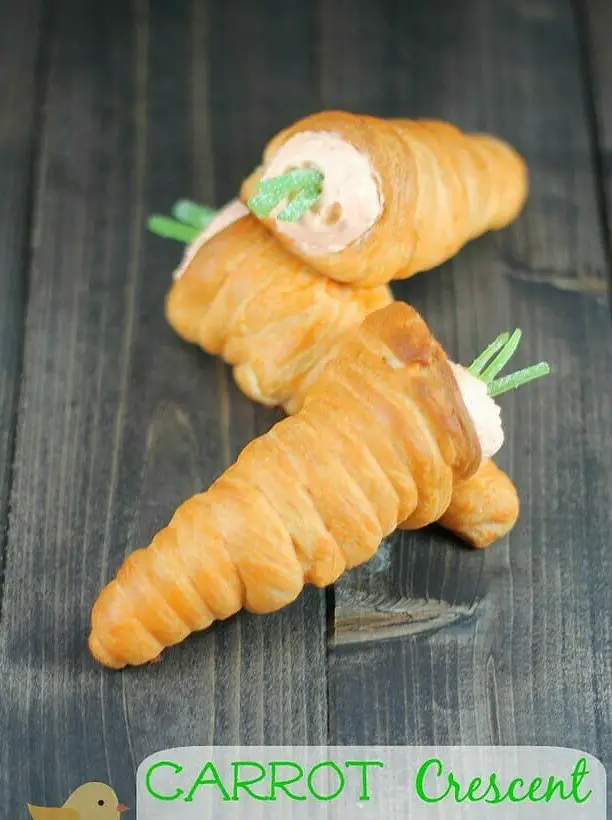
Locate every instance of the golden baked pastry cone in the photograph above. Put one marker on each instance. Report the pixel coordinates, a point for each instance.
(402, 196)
(383, 436)
(483, 508)
(242, 296)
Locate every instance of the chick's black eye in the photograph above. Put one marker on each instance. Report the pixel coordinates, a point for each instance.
(100, 802)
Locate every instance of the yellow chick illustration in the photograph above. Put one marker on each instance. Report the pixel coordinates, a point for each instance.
(92, 801)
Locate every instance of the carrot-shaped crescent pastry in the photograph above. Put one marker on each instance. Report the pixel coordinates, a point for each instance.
(243, 296)
(384, 435)
(239, 294)
(368, 200)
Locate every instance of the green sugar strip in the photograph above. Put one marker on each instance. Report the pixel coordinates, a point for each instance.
(301, 187)
(519, 378)
(503, 357)
(191, 213)
(481, 361)
(171, 228)
(496, 356)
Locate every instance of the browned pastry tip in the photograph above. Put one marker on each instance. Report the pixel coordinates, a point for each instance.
(484, 507)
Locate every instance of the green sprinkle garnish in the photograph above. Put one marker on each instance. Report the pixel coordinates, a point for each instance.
(521, 377)
(481, 361)
(191, 213)
(301, 187)
(189, 219)
(301, 202)
(171, 228)
(503, 357)
(496, 356)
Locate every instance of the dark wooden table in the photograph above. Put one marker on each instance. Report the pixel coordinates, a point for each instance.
(111, 110)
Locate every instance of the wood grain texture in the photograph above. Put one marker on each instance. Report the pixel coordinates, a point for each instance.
(20, 68)
(120, 421)
(594, 22)
(435, 644)
(263, 64)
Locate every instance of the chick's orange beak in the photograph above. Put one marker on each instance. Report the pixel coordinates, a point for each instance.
(122, 807)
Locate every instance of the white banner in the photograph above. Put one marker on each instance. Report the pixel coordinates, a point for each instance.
(371, 783)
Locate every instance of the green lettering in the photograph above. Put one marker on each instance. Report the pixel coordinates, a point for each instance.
(578, 775)
(240, 783)
(453, 784)
(334, 767)
(533, 787)
(169, 763)
(553, 786)
(420, 777)
(470, 794)
(283, 784)
(363, 764)
(511, 793)
(204, 779)
(497, 798)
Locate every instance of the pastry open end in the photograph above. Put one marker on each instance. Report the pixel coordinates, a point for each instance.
(402, 197)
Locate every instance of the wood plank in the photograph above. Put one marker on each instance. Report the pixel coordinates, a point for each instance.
(263, 78)
(20, 61)
(594, 20)
(120, 421)
(435, 644)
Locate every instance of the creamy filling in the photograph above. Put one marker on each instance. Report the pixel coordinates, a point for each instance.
(484, 411)
(351, 200)
(230, 213)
